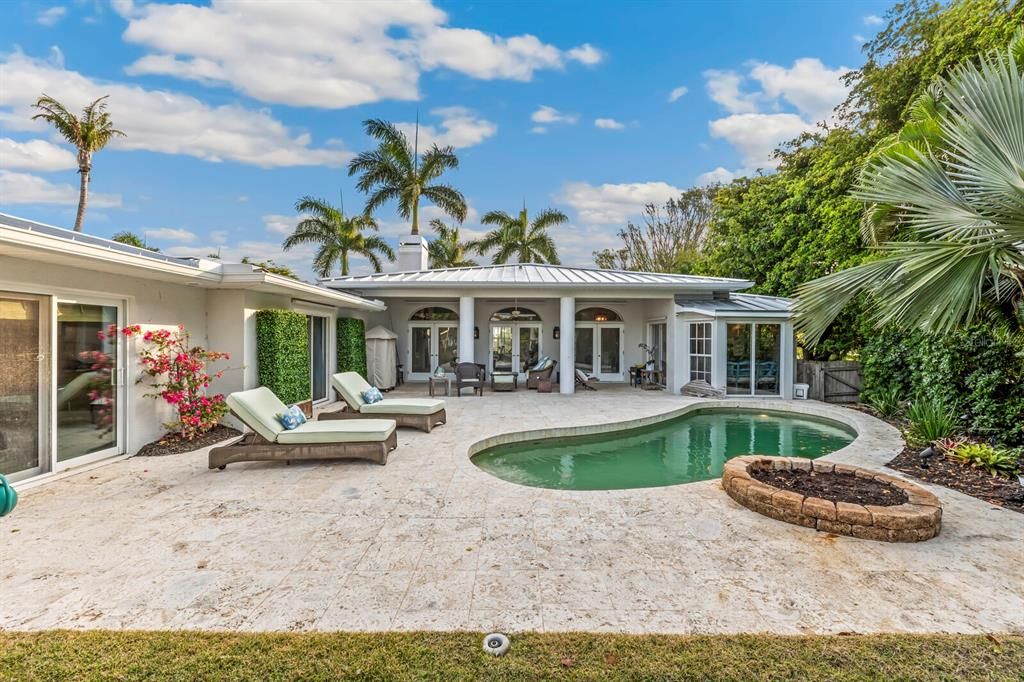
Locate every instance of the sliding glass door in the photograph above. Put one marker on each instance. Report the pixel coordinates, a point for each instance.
(316, 328)
(23, 385)
(89, 380)
(752, 359)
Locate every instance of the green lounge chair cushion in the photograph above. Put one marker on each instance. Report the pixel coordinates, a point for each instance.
(351, 386)
(339, 431)
(258, 408)
(403, 406)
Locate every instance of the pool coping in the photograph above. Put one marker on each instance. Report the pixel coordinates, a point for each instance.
(875, 444)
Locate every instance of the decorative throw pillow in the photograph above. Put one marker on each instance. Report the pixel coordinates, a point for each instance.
(292, 418)
(541, 363)
(299, 414)
(372, 395)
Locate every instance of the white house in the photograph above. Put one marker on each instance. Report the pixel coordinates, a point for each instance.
(507, 316)
(59, 289)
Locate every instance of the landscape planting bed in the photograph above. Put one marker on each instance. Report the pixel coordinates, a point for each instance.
(834, 498)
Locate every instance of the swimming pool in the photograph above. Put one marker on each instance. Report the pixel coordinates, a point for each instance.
(683, 449)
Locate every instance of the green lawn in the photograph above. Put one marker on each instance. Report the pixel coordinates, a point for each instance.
(106, 655)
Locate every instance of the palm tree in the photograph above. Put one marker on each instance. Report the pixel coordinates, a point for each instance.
(89, 134)
(949, 196)
(336, 235)
(132, 239)
(528, 242)
(448, 251)
(395, 171)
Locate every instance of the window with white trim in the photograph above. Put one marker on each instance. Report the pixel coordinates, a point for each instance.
(700, 351)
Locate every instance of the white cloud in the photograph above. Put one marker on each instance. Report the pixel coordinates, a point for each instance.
(608, 124)
(24, 188)
(161, 121)
(219, 236)
(614, 203)
(328, 54)
(538, 130)
(873, 20)
(717, 176)
(858, 38)
(546, 115)
(677, 93)
(586, 54)
(170, 234)
(808, 85)
(461, 128)
(35, 155)
(577, 243)
(280, 224)
(50, 17)
(756, 136)
(724, 89)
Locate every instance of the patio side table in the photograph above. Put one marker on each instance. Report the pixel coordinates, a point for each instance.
(504, 381)
(437, 383)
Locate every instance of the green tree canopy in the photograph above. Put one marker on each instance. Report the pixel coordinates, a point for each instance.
(132, 239)
(449, 250)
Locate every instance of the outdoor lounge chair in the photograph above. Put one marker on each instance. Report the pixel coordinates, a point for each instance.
(418, 413)
(534, 376)
(469, 375)
(585, 380)
(258, 408)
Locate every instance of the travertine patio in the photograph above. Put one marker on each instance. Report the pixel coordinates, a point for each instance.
(430, 542)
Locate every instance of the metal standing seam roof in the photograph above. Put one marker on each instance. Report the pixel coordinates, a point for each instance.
(739, 303)
(531, 274)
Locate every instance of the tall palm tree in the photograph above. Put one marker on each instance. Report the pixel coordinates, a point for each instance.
(448, 250)
(336, 236)
(89, 134)
(395, 171)
(528, 242)
(951, 192)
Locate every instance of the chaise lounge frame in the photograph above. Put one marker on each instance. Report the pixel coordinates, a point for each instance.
(253, 447)
(423, 422)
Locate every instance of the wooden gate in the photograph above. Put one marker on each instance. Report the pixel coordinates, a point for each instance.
(836, 381)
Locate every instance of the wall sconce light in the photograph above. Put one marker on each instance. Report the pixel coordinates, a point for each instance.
(476, 332)
(557, 333)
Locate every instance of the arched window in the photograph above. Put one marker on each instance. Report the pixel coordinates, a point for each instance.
(516, 314)
(598, 315)
(434, 314)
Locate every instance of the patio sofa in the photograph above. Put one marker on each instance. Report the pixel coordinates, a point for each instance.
(545, 371)
(259, 408)
(418, 413)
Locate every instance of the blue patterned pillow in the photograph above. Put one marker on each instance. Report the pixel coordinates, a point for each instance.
(372, 395)
(292, 418)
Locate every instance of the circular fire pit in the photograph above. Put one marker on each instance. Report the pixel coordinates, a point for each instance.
(893, 509)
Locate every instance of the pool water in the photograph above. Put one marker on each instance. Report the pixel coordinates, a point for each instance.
(691, 447)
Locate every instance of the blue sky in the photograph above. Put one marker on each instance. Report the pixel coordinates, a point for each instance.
(234, 110)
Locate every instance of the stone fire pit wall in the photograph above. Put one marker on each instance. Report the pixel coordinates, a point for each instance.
(917, 519)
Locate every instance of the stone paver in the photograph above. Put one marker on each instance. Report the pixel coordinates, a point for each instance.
(431, 542)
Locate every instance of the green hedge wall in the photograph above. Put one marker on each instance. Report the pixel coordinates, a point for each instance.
(351, 345)
(978, 371)
(282, 352)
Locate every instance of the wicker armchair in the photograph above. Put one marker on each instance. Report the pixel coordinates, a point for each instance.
(534, 376)
(469, 375)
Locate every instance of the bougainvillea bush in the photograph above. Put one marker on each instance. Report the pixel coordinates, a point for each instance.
(178, 371)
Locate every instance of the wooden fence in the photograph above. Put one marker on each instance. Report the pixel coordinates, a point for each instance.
(837, 381)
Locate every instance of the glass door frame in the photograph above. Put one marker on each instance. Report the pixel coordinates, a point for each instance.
(516, 346)
(310, 328)
(119, 379)
(45, 452)
(434, 351)
(752, 353)
(598, 327)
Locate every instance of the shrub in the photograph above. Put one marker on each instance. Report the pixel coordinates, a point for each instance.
(282, 354)
(977, 372)
(886, 401)
(179, 372)
(351, 345)
(930, 420)
(996, 461)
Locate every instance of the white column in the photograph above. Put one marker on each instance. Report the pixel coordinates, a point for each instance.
(467, 305)
(567, 345)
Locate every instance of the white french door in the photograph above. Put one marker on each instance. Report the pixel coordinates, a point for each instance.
(515, 346)
(24, 385)
(599, 350)
(431, 344)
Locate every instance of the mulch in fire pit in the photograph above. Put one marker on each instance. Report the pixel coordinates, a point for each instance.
(939, 469)
(171, 445)
(833, 487)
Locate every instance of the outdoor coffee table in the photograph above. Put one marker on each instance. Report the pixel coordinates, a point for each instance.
(438, 382)
(504, 381)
